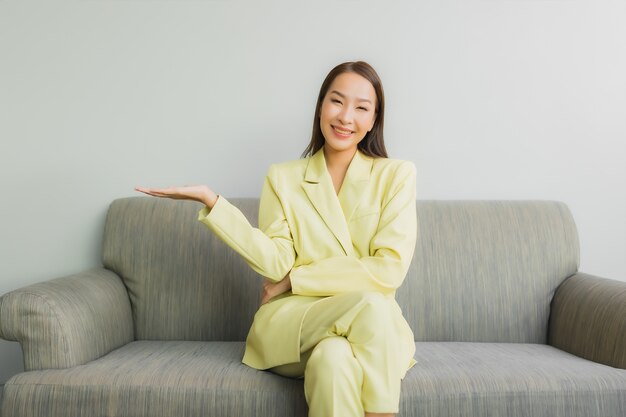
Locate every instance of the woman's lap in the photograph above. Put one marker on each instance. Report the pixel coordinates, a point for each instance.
(328, 318)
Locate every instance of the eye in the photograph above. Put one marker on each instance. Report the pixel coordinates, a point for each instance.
(333, 100)
(362, 108)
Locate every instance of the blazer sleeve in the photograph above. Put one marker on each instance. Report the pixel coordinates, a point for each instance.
(391, 250)
(268, 249)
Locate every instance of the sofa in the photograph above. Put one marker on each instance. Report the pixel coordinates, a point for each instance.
(504, 323)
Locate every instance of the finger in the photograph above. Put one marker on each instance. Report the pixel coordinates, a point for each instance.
(159, 194)
(149, 193)
(147, 190)
(164, 192)
(152, 193)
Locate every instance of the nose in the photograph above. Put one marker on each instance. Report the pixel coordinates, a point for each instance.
(345, 115)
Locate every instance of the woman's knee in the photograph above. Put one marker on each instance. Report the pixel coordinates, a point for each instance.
(333, 379)
(331, 355)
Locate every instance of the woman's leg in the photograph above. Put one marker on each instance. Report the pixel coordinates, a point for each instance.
(333, 380)
(365, 320)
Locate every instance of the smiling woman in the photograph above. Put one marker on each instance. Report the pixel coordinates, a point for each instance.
(337, 232)
(344, 119)
(352, 101)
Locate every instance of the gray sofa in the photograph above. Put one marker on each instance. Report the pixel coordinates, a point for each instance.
(504, 323)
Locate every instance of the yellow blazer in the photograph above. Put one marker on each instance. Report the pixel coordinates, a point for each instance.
(361, 239)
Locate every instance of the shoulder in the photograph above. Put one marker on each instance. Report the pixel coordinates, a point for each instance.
(294, 164)
(288, 166)
(393, 168)
(395, 177)
(286, 170)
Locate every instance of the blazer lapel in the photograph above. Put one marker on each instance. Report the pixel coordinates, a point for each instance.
(337, 210)
(318, 186)
(354, 184)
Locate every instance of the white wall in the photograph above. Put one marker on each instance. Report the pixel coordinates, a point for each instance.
(491, 99)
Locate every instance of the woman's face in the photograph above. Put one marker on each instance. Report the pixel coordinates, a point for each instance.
(347, 112)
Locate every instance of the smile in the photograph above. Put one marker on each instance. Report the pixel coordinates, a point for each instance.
(342, 133)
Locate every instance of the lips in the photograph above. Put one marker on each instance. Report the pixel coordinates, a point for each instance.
(342, 132)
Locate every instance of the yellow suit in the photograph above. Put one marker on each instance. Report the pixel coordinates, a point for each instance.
(361, 239)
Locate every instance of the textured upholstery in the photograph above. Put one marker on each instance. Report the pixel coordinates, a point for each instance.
(154, 379)
(589, 319)
(67, 321)
(182, 378)
(486, 271)
(504, 323)
(510, 380)
(183, 282)
(482, 270)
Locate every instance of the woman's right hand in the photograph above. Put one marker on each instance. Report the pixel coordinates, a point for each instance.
(271, 289)
(200, 193)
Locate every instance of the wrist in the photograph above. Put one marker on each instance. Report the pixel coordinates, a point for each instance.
(210, 200)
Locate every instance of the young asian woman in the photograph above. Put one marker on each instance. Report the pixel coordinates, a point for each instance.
(337, 231)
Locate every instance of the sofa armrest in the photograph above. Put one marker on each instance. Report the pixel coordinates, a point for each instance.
(588, 319)
(68, 321)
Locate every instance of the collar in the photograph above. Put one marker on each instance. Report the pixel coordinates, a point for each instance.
(337, 210)
(359, 169)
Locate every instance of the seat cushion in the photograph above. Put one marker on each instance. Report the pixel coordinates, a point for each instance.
(183, 378)
(154, 379)
(509, 379)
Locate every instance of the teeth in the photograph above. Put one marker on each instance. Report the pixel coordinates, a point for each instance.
(345, 132)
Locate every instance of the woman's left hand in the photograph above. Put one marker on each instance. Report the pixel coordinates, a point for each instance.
(200, 193)
(271, 290)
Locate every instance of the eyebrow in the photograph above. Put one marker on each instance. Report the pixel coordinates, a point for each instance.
(359, 99)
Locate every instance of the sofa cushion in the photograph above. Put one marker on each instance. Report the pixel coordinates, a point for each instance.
(486, 271)
(150, 378)
(183, 282)
(509, 379)
(154, 378)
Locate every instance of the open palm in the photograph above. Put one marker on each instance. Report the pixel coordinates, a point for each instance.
(200, 193)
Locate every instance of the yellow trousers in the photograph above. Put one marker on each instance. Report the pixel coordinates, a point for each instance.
(351, 358)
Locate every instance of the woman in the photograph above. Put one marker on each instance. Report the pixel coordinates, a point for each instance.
(337, 231)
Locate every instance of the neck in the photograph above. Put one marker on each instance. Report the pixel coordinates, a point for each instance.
(338, 160)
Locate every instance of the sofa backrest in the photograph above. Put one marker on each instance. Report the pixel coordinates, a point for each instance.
(483, 271)
(486, 271)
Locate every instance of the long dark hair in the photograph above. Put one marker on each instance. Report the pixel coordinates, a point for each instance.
(373, 143)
